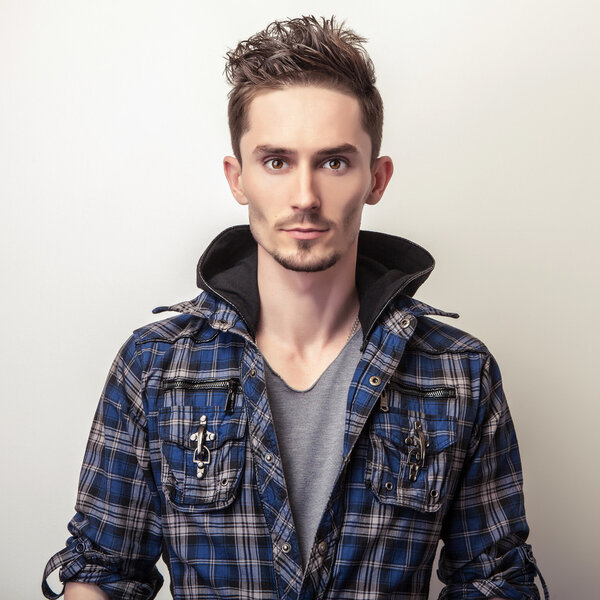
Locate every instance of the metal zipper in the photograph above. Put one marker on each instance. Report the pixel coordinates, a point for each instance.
(431, 392)
(231, 385)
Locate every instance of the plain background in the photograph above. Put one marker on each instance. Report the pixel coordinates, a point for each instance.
(113, 128)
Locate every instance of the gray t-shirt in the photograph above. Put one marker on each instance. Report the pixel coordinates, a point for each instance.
(310, 426)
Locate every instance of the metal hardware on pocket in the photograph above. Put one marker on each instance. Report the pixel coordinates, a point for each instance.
(230, 401)
(201, 452)
(424, 392)
(383, 402)
(416, 454)
(230, 384)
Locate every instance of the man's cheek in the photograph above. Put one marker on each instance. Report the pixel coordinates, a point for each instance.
(256, 214)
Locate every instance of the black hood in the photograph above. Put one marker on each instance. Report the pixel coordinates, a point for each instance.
(386, 267)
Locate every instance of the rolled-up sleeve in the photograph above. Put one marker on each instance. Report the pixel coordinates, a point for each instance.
(116, 531)
(485, 554)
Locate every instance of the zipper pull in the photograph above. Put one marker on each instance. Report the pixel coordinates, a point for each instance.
(416, 455)
(230, 401)
(201, 453)
(383, 401)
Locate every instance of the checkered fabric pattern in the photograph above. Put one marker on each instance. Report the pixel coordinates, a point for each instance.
(430, 453)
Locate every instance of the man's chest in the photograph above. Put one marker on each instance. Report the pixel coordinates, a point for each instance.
(220, 471)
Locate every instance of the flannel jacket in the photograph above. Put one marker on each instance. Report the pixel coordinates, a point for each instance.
(182, 459)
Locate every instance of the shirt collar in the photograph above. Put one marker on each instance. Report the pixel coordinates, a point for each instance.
(389, 270)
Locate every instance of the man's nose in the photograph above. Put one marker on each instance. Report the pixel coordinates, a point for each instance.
(306, 196)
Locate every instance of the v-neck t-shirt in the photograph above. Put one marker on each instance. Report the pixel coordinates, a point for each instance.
(310, 426)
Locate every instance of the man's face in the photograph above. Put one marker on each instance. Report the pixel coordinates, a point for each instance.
(306, 175)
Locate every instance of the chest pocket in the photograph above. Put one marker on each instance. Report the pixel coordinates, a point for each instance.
(410, 448)
(203, 450)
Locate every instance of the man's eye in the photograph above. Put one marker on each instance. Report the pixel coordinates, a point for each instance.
(275, 163)
(335, 164)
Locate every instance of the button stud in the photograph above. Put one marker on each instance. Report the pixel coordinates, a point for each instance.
(269, 458)
(322, 547)
(405, 322)
(389, 485)
(375, 381)
(286, 548)
(252, 372)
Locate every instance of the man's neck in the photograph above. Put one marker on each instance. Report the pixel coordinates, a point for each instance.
(305, 318)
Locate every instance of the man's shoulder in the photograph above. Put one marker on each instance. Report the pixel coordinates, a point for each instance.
(432, 335)
(193, 318)
(437, 337)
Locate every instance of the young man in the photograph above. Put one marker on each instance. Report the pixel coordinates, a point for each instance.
(303, 428)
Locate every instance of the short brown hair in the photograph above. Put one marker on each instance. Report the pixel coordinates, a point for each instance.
(302, 51)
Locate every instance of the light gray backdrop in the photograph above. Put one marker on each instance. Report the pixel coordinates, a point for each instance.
(112, 131)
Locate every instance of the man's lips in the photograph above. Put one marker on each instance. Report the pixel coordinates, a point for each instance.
(304, 233)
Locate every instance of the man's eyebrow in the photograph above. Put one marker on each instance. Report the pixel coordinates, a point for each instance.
(341, 149)
(266, 149)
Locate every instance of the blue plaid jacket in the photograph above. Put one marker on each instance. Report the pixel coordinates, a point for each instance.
(182, 458)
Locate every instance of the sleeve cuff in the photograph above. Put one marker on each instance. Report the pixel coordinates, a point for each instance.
(517, 582)
(80, 562)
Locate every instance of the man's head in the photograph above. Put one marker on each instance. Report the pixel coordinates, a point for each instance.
(305, 163)
(302, 51)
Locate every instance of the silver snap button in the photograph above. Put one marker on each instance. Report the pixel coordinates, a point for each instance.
(322, 548)
(389, 485)
(252, 372)
(286, 547)
(375, 381)
(224, 481)
(405, 322)
(269, 458)
(434, 493)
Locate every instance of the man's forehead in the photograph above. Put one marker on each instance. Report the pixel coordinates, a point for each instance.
(307, 115)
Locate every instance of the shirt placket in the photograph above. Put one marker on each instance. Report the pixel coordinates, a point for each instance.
(380, 360)
(270, 480)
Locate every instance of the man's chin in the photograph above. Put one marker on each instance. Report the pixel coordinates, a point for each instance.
(306, 264)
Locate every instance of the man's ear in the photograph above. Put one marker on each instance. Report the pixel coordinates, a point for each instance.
(381, 174)
(233, 174)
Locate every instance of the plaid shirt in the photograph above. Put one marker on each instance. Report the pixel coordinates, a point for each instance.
(182, 460)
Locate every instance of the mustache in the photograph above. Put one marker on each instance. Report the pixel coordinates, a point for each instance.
(304, 219)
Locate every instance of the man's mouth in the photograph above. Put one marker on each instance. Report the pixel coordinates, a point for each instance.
(304, 233)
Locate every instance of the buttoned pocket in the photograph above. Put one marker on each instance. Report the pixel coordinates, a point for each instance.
(410, 450)
(203, 453)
